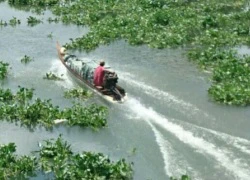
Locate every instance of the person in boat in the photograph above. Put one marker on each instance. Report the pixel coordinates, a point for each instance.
(63, 51)
(65, 55)
(99, 74)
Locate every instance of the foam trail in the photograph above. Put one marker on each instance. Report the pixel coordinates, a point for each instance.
(242, 144)
(158, 93)
(160, 142)
(243, 148)
(173, 167)
(232, 165)
(162, 95)
(58, 69)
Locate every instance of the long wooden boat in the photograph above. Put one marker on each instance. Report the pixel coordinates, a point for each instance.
(113, 93)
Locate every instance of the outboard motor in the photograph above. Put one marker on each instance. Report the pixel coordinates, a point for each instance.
(111, 80)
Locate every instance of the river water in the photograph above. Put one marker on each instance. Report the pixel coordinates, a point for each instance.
(168, 126)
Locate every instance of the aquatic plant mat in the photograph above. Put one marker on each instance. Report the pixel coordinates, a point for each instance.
(80, 93)
(56, 160)
(3, 70)
(21, 107)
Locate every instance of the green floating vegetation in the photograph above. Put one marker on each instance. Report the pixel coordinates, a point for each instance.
(50, 35)
(29, 112)
(26, 59)
(56, 158)
(160, 24)
(52, 76)
(3, 23)
(32, 21)
(14, 21)
(55, 20)
(14, 167)
(39, 3)
(34, 6)
(208, 57)
(3, 70)
(231, 81)
(77, 93)
(230, 74)
(183, 177)
(92, 116)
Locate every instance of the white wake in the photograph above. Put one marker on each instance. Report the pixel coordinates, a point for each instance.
(222, 157)
(58, 69)
(171, 101)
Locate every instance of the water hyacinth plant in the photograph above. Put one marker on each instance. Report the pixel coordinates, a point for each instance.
(26, 59)
(77, 93)
(32, 21)
(14, 167)
(40, 3)
(34, 6)
(6, 96)
(183, 177)
(52, 76)
(208, 57)
(57, 157)
(29, 112)
(3, 70)
(231, 82)
(14, 21)
(55, 20)
(160, 24)
(230, 73)
(50, 35)
(3, 23)
(92, 116)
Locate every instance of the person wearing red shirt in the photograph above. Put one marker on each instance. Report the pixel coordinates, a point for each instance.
(99, 74)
